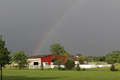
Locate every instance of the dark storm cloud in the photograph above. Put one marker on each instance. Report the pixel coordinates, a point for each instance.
(90, 29)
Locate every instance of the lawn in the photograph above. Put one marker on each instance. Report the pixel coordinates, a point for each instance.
(60, 75)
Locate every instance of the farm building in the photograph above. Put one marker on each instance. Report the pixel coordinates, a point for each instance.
(47, 61)
(37, 60)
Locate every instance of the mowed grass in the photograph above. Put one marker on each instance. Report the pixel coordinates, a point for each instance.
(54, 74)
(60, 75)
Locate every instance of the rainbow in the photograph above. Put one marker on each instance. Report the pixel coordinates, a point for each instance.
(55, 26)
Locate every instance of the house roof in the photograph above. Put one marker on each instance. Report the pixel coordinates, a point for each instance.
(46, 55)
(73, 58)
(39, 56)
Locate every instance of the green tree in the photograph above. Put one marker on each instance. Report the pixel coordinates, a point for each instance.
(81, 59)
(57, 51)
(109, 60)
(118, 59)
(112, 58)
(58, 62)
(4, 55)
(56, 48)
(65, 54)
(20, 58)
(69, 64)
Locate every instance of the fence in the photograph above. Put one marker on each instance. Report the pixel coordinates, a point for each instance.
(63, 66)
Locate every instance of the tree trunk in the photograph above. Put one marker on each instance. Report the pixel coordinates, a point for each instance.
(1, 71)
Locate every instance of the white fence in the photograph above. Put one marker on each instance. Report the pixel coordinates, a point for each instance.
(63, 66)
(93, 66)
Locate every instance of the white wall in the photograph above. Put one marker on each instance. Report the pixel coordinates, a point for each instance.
(34, 60)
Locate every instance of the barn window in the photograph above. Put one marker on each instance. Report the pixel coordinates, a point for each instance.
(45, 63)
(35, 63)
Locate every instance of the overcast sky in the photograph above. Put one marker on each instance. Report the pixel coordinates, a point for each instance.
(90, 28)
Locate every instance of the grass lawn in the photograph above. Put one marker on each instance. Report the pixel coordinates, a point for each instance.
(59, 75)
(53, 74)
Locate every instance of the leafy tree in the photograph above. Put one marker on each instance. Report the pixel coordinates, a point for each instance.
(118, 59)
(81, 59)
(69, 64)
(56, 48)
(94, 58)
(89, 58)
(57, 51)
(58, 63)
(109, 60)
(4, 55)
(20, 58)
(112, 57)
(65, 54)
(102, 58)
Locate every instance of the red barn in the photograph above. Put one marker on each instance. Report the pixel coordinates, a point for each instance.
(45, 59)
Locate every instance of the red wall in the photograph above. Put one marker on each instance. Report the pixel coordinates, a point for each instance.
(46, 59)
(60, 57)
(49, 59)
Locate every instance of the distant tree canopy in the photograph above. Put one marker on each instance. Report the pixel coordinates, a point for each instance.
(113, 57)
(20, 58)
(94, 58)
(56, 48)
(4, 55)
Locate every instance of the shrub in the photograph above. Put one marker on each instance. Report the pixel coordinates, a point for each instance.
(58, 62)
(42, 66)
(78, 67)
(112, 68)
(69, 64)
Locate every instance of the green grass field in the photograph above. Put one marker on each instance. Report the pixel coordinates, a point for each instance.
(54, 74)
(60, 75)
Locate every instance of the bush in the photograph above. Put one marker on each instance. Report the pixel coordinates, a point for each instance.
(78, 67)
(58, 62)
(42, 66)
(69, 64)
(112, 68)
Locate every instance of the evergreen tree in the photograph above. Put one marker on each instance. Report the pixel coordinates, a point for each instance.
(78, 67)
(112, 68)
